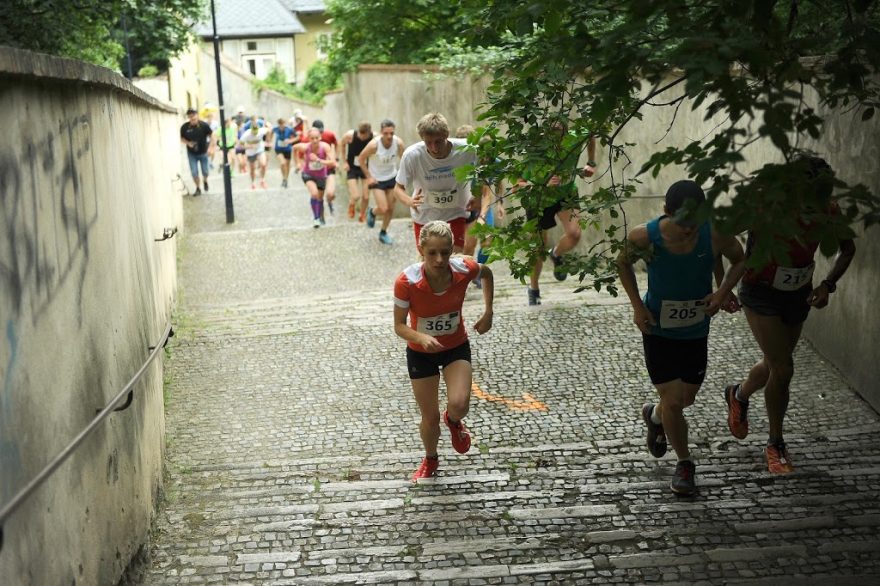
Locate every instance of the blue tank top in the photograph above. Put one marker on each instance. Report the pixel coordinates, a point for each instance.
(679, 277)
(282, 135)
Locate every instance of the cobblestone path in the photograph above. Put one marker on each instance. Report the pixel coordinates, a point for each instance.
(292, 433)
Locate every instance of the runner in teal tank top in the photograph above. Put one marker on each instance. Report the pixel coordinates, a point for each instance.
(675, 313)
(678, 284)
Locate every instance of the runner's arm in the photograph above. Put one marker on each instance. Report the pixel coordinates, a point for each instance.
(401, 328)
(732, 250)
(487, 280)
(344, 145)
(331, 151)
(819, 296)
(635, 247)
(365, 154)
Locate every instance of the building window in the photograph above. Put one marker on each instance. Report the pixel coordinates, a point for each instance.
(322, 44)
(251, 45)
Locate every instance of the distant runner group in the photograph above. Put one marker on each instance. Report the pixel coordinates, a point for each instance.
(673, 316)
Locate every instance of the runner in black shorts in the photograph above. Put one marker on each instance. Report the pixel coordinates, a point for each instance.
(674, 315)
(352, 143)
(380, 161)
(776, 300)
(430, 294)
(563, 189)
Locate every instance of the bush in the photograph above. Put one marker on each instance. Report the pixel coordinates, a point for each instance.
(148, 71)
(319, 81)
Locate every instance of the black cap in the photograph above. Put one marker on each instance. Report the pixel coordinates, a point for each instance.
(318, 124)
(682, 191)
(191, 111)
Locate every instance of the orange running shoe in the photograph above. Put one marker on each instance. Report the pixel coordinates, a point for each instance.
(778, 461)
(461, 437)
(427, 469)
(351, 211)
(363, 216)
(737, 413)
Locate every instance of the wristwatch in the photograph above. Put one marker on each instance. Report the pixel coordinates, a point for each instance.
(591, 163)
(830, 285)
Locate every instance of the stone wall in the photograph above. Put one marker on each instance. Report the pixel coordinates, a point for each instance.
(88, 181)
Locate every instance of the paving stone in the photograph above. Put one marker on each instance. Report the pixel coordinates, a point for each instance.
(292, 433)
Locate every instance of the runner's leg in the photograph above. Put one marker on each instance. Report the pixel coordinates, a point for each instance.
(426, 391)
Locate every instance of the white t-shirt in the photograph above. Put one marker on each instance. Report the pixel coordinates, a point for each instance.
(254, 142)
(445, 197)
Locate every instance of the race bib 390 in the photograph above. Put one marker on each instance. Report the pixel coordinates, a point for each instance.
(442, 199)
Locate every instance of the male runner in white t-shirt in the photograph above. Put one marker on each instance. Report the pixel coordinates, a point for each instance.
(428, 167)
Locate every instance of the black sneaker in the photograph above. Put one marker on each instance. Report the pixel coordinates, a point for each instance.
(683, 481)
(198, 191)
(656, 435)
(558, 271)
(534, 296)
(206, 186)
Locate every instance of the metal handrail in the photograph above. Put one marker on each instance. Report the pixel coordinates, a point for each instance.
(31, 486)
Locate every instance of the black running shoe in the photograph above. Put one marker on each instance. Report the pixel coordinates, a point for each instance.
(198, 192)
(683, 482)
(534, 296)
(206, 186)
(656, 435)
(558, 270)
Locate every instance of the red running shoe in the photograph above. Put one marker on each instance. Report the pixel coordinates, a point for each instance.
(778, 461)
(737, 413)
(427, 469)
(461, 437)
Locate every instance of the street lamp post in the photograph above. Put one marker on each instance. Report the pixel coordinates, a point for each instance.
(227, 177)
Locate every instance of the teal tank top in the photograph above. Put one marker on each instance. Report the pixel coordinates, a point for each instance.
(679, 278)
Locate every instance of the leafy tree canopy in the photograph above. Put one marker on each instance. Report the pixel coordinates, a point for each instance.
(757, 69)
(95, 30)
(397, 31)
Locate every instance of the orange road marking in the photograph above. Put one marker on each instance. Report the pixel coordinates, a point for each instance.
(529, 403)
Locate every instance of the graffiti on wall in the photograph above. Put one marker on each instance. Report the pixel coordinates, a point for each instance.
(46, 215)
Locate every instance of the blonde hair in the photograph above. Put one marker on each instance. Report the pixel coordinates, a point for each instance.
(435, 229)
(433, 124)
(463, 131)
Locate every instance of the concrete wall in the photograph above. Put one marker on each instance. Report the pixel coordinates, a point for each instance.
(404, 93)
(847, 331)
(87, 181)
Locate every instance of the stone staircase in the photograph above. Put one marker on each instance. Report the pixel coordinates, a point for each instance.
(292, 434)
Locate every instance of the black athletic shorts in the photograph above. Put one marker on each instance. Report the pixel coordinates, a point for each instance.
(355, 173)
(548, 215)
(285, 153)
(321, 182)
(669, 359)
(790, 306)
(424, 365)
(331, 171)
(386, 184)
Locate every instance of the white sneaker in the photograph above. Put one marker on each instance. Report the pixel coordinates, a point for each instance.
(316, 223)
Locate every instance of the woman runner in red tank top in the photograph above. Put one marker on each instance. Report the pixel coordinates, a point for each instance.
(431, 294)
